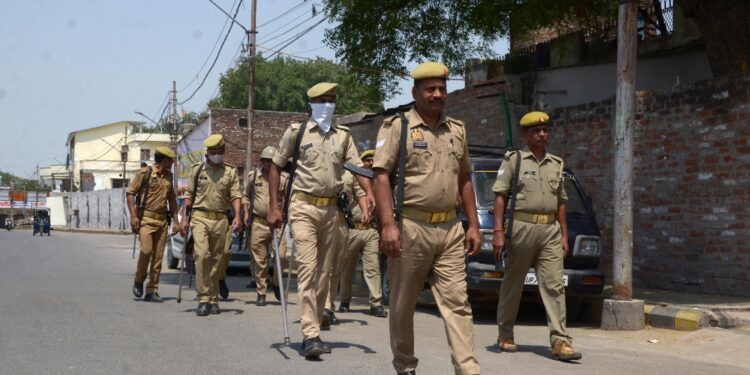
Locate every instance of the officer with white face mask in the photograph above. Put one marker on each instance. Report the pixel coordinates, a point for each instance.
(317, 225)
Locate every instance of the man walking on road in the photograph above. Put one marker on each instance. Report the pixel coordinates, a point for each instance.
(316, 222)
(363, 239)
(256, 202)
(540, 234)
(149, 220)
(428, 244)
(214, 187)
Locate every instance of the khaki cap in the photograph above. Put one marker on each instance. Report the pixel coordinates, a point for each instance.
(268, 152)
(367, 154)
(534, 118)
(321, 89)
(430, 69)
(214, 141)
(166, 151)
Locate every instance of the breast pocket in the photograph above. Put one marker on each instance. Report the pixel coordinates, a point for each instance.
(455, 160)
(554, 183)
(420, 160)
(310, 155)
(528, 183)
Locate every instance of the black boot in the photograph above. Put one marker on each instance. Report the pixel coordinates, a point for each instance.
(378, 311)
(223, 289)
(261, 300)
(153, 297)
(313, 348)
(344, 307)
(214, 309)
(137, 289)
(202, 309)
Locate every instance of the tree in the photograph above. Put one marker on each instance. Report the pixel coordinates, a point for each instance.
(281, 85)
(383, 36)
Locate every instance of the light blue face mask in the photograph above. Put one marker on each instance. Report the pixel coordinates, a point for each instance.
(322, 114)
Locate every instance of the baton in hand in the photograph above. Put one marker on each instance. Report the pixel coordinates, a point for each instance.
(277, 243)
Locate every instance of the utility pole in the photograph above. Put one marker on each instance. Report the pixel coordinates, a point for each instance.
(124, 156)
(251, 90)
(175, 119)
(622, 312)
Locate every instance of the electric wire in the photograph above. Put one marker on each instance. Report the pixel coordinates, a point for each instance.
(215, 59)
(273, 37)
(282, 14)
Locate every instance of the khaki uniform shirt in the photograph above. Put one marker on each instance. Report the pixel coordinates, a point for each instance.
(434, 160)
(159, 189)
(540, 183)
(354, 192)
(260, 196)
(217, 188)
(321, 158)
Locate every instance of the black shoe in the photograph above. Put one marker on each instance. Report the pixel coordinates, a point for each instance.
(378, 311)
(252, 285)
(153, 297)
(223, 289)
(326, 348)
(202, 309)
(334, 319)
(214, 309)
(344, 307)
(412, 372)
(276, 292)
(261, 300)
(313, 348)
(325, 321)
(137, 289)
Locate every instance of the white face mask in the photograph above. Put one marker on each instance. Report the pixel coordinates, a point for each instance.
(216, 158)
(322, 114)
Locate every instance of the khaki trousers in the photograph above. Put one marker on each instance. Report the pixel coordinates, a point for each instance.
(538, 246)
(432, 253)
(227, 256)
(335, 271)
(153, 238)
(363, 242)
(210, 237)
(261, 238)
(316, 232)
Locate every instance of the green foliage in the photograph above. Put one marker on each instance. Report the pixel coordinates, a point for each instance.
(382, 36)
(281, 85)
(18, 183)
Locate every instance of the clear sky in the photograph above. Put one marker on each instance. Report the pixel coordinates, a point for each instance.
(68, 65)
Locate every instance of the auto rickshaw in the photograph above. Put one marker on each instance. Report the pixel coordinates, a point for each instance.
(41, 222)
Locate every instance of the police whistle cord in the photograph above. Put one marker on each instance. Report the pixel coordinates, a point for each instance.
(277, 244)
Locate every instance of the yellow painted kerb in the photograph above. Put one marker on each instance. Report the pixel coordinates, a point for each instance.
(686, 320)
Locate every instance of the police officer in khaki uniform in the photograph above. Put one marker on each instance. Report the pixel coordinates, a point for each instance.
(539, 238)
(363, 239)
(315, 220)
(358, 207)
(154, 184)
(217, 188)
(428, 244)
(256, 200)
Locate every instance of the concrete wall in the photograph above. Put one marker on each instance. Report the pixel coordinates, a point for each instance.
(103, 209)
(566, 86)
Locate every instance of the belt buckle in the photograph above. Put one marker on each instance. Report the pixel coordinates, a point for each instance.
(542, 219)
(438, 217)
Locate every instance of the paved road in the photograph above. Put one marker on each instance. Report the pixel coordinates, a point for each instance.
(66, 308)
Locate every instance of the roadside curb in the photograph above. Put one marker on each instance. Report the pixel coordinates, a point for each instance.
(91, 231)
(679, 318)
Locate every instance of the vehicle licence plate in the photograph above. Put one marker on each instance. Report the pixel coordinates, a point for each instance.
(531, 279)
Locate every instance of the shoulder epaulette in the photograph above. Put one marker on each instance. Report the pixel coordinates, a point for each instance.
(344, 128)
(454, 121)
(555, 158)
(229, 165)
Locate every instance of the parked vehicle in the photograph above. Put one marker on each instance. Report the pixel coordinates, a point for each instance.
(41, 223)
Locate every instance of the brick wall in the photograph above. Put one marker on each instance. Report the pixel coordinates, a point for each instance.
(692, 176)
(267, 130)
(692, 182)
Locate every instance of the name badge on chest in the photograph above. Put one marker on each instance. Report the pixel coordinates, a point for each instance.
(419, 144)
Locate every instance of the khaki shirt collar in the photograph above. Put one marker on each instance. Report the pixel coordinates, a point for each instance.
(526, 154)
(415, 119)
(312, 124)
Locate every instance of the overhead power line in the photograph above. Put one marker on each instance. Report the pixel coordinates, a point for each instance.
(290, 29)
(215, 59)
(294, 38)
(292, 9)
